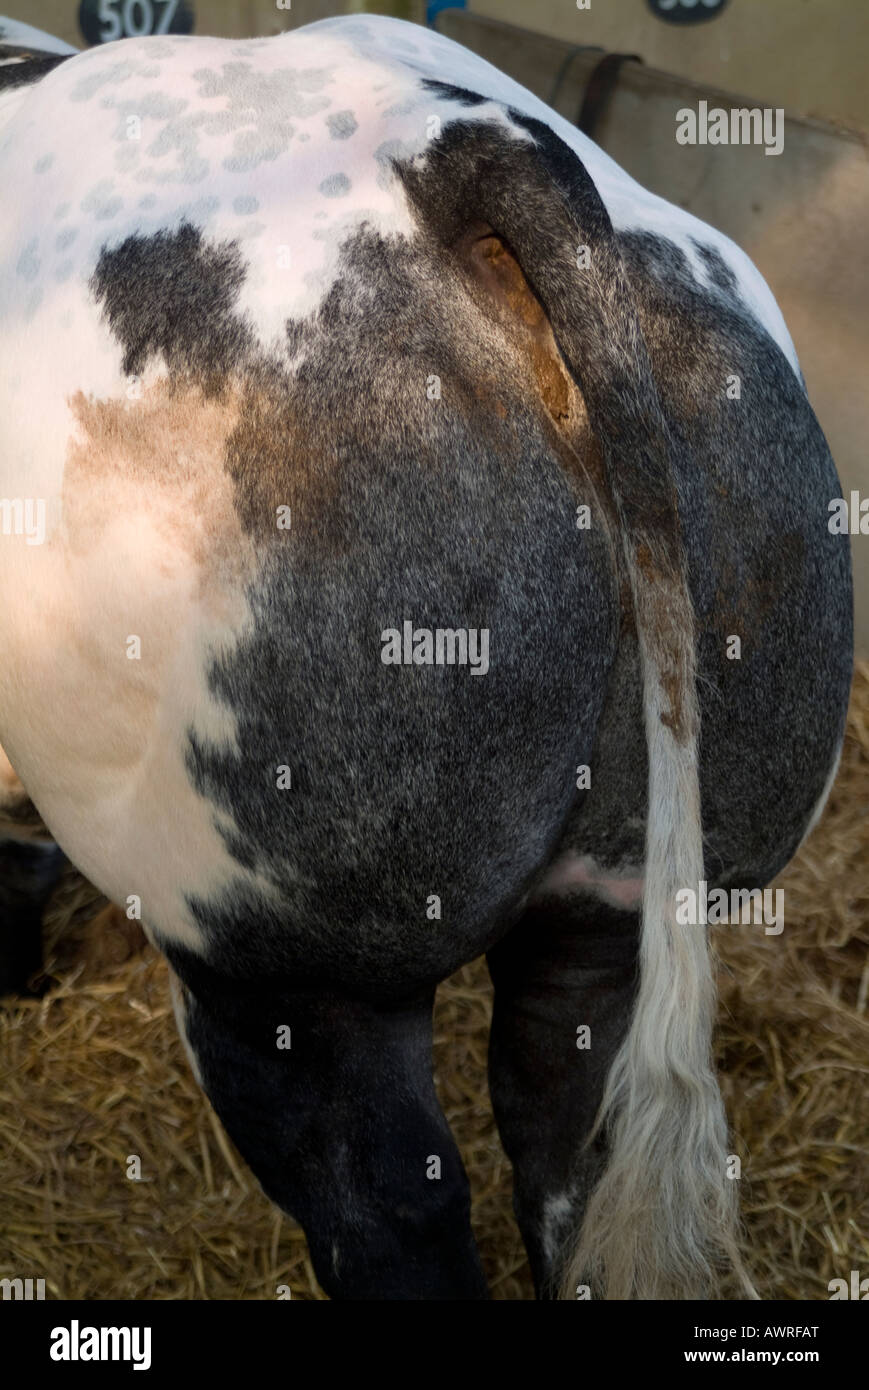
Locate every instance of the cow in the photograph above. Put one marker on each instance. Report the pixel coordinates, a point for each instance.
(414, 547)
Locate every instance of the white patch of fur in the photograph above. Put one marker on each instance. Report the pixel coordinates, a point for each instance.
(179, 1008)
(556, 1211)
(14, 33)
(824, 797)
(99, 740)
(621, 888)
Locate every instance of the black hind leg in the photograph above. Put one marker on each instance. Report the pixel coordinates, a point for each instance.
(29, 871)
(566, 965)
(342, 1127)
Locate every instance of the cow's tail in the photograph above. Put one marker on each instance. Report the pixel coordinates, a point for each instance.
(662, 1220)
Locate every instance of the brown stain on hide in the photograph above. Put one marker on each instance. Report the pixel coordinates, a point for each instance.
(673, 684)
(504, 293)
(278, 454)
(501, 275)
(668, 621)
(160, 458)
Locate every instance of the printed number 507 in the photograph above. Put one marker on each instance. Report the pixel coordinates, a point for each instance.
(133, 19)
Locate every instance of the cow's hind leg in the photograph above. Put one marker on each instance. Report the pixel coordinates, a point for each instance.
(29, 872)
(564, 978)
(331, 1102)
(30, 866)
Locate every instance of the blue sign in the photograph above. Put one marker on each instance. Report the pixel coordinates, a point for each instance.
(435, 7)
(686, 11)
(103, 21)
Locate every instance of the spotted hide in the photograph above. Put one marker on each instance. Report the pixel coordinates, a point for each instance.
(328, 363)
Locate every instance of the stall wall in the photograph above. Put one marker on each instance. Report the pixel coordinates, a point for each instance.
(808, 56)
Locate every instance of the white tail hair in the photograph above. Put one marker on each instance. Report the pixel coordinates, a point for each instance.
(663, 1219)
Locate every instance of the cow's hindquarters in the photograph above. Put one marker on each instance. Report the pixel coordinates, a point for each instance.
(663, 1213)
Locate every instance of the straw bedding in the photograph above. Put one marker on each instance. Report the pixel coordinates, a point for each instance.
(94, 1073)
